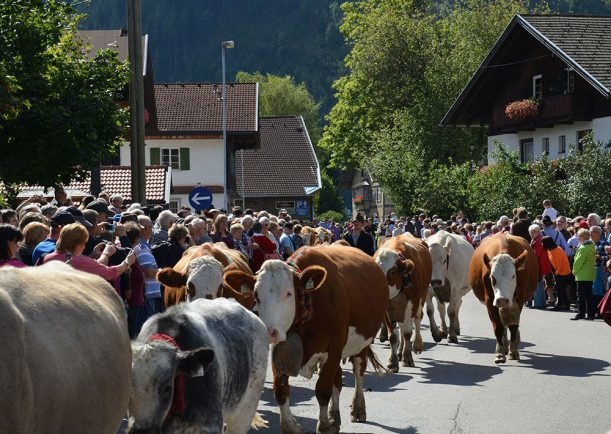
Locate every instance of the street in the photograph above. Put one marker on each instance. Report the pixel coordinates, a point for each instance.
(560, 385)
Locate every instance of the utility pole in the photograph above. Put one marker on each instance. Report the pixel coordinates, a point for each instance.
(136, 100)
(224, 46)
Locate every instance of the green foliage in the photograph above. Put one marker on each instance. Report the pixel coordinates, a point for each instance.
(333, 215)
(281, 96)
(327, 198)
(68, 118)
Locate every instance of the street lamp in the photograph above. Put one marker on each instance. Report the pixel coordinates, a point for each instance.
(224, 46)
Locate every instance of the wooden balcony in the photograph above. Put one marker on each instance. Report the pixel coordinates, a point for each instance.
(553, 110)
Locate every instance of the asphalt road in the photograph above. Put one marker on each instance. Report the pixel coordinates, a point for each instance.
(561, 384)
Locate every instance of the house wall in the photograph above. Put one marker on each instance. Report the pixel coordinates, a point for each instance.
(269, 204)
(601, 129)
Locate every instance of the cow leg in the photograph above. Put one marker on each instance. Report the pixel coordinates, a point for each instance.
(288, 424)
(334, 415)
(324, 391)
(418, 346)
(441, 307)
(393, 360)
(406, 330)
(430, 311)
(453, 309)
(359, 363)
(499, 333)
(514, 343)
(505, 341)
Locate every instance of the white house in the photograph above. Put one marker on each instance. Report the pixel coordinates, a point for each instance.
(563, 62)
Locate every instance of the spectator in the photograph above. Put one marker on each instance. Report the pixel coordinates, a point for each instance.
(247, 222)
(70, 246)
(287, 248)
(86, 201)
(573, 242)
(359, 238)
(32, 217)
(608, 230)
(274, 233)
(593, 220)
(562, 272)
(296, 237)
(520, 227)
(550, 231)
(48, 210)
(102, 209)
(152, 288)
(10, 237)
(263, 247)
(135, 297)
(504, 224)
(198, 232)
(545, 269)
(10, 217)
(169, 252)
(58, 221)
(600, 245)
(220, 233)
(164, 222)
(237, 230)
(33, 234)
(116, 200)
(549, 210)
(584, 270)
(562, 228)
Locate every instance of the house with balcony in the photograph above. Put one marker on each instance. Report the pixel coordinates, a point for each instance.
(367, 196)
(543, 86)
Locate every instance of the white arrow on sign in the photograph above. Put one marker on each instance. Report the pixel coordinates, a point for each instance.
(197, 198)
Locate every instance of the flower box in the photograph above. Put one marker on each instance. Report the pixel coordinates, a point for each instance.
(522, 110)
(359, 198)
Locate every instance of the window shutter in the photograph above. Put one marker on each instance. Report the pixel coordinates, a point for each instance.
(155, 157)
(185, 163)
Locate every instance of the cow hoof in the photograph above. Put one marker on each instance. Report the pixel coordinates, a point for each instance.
(393, 367)
(453, 339)
(409, 363)
(290, 427)
(457, 332)
(437, 335)
(418, 346)
(514, 356)
(500, 358)
(359, 416)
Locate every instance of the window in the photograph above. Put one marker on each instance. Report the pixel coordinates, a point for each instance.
(377, 194)
(581, 135)
(562, 144)
(527, 152)
(538, 86)
(545, 146)
(170, 157)
(174, 205)
(570, 80)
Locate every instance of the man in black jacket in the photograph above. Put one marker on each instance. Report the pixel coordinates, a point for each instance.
(358, 237)
(520, 228)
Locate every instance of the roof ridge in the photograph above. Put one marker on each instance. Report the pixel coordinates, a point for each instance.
(567, 15)
(199, 83)
(281, 117)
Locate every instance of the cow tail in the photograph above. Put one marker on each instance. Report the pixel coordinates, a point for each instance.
(375, 362)
(258, 422)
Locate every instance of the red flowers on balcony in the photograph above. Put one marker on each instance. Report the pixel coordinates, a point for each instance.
(522, 110)
(359, 198)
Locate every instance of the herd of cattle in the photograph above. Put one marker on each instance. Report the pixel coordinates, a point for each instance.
(67, 364)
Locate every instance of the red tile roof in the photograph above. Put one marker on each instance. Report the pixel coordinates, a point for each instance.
(117, 180)
(286, 164)
(197, 108)
(114, 39)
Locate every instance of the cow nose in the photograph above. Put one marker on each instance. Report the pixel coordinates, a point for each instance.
(503, 302)
(436, 282)
(272, 335)
(209, 297)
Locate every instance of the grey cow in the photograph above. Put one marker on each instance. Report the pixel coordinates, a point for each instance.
(197, 367)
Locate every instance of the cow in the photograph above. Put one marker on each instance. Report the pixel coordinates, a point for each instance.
(316, 236)
(323, 305)
(199, 274)
(406, 262)
(504, 273)
(197, 367)
(65, 358)
(450, 254)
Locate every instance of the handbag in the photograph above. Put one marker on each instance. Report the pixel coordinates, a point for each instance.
(604, 308)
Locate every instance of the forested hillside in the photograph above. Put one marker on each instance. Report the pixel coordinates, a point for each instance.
(295, 37)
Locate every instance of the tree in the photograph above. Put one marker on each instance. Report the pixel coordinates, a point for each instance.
(281, 96)
(65, 118)
(327, 199)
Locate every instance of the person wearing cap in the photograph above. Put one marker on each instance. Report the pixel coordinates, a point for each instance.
(550, 231)
(58, 221)
(102, 209)
(358, 238)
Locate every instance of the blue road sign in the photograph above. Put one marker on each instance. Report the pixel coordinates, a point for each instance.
(200, 198)
(302, 208)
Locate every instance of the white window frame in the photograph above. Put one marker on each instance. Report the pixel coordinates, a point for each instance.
(175, 200)
(562, 144)
(535, 78)
(545, 146)
(167, 160)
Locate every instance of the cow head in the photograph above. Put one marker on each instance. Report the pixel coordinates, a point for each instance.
(278, 288)
(202, 278)
(503, 271)
(397, 269)
(159, 370)
(440, 256)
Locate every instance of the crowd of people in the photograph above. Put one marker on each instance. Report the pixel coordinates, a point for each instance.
(127, 245)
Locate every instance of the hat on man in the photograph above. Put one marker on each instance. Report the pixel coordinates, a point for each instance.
(100, 207)
(77, 214)
(62, 218)
(584, 225)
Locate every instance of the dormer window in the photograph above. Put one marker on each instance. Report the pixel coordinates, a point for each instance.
(538, 86)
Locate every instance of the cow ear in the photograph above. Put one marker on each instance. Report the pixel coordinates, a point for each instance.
(448, 246)
(312, 278)
(171, 278)
(487, 261)
(194, 362)
(407, 266)
(520, 261)
(239, 281)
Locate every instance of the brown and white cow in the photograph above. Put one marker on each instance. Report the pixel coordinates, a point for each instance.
(406, 262)
(504, 272)
(316, 236)
(331, 301)
(199, 273)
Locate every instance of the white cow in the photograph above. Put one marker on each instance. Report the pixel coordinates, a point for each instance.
(65, 362)
(451, 255)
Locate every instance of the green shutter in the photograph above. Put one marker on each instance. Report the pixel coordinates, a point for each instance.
(155, 157)
(185, 163)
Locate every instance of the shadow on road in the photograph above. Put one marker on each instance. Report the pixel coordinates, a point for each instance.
(477, 344)
(564, 366)
(298, 394)
(273, 422)
(386, 428)
(456, 373)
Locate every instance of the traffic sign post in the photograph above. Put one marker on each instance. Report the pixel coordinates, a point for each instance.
(200, 198)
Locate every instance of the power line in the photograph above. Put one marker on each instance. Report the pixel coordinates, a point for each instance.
(516, 63)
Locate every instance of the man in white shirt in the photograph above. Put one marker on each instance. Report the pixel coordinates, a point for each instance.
(549, 210)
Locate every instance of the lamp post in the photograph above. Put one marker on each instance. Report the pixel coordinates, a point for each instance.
(224, 46)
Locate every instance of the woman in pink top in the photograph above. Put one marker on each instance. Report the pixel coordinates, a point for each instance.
(70, 246)
(10, 237)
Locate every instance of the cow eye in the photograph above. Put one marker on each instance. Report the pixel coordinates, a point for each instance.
(288, 294)
(167, 390)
